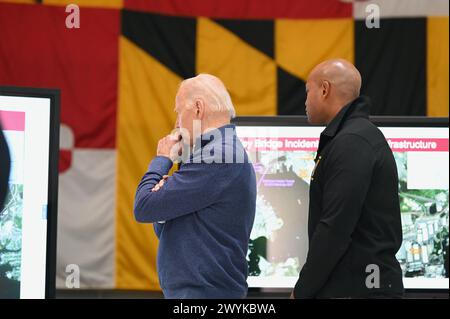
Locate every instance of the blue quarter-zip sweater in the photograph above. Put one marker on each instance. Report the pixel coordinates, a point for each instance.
(203, 216)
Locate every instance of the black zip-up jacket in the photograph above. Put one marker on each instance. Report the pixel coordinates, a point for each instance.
(354, 222)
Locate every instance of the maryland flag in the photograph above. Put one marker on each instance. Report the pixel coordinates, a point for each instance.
(119, 72)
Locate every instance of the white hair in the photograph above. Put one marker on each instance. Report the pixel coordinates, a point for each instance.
(212, 90)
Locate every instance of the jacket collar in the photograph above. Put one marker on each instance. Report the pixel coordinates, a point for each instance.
(207, 138)
(358, 108)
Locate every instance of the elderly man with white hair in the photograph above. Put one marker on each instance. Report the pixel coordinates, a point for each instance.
(202, 214)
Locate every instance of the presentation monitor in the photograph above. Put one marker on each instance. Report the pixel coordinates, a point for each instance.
(30, 124)
(283, 149)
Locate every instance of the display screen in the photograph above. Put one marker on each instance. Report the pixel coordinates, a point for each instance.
(283, 158)
(25, 122)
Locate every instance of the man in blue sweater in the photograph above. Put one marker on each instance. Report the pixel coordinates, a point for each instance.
(202, 214)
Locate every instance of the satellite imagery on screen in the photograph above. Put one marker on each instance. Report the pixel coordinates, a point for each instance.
(12, 212)
(11, 242)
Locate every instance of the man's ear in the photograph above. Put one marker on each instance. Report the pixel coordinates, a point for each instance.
(199, 108)
(326, 86)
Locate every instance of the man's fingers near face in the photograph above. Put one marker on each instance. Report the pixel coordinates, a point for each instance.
(171, 139)
(176, 151)
(166, 144)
